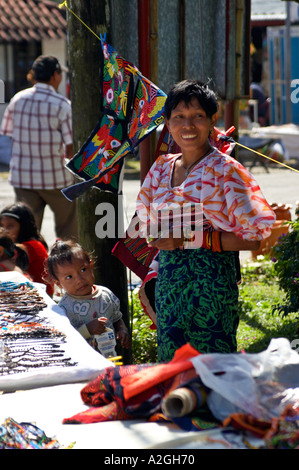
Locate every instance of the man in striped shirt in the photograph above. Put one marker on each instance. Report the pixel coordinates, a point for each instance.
(39, 121)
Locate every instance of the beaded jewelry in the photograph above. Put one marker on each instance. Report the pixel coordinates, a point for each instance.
(29, 340)
(14, 435)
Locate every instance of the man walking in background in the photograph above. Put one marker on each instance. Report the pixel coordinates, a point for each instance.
(39, 121)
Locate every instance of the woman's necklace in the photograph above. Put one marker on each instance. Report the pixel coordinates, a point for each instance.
(188, 169)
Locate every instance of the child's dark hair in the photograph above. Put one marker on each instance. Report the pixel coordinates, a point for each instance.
(63, 252)
(7, 243)
(186, 91)
(13, 251)
(24, 215)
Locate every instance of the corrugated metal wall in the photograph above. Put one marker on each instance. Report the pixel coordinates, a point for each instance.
(196, 39)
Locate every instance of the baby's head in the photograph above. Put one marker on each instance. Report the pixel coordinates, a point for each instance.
(7, 246)
(12, 252)
(70, 267)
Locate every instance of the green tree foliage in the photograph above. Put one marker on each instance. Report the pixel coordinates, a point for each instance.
(286, 257)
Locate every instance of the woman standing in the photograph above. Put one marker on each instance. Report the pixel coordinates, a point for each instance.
(196, 289)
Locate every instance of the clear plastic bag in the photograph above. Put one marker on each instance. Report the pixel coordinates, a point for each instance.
(257, 384)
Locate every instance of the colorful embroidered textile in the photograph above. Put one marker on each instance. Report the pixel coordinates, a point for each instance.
(196, 301)
(106, 139)
(231, 198)
(278, 433)
(284, 431)
(243, 422)
(134, 252)
(147, 112)
(133, 107)
(166, 144)
(102, 144)
(134, 391)
(97, 414)
(200, 420)
(16, 435)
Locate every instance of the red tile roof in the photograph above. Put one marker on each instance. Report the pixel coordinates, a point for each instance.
(31, 20)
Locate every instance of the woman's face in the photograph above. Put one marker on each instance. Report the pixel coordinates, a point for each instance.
(11, 225)
(190, 126)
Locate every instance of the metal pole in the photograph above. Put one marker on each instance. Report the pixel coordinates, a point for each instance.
(145, 68)
(287, 49)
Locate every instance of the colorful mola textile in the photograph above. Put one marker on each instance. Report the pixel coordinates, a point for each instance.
(278, 433)
(134, 391)
(133, 107)
(134, 252)
(110, 132)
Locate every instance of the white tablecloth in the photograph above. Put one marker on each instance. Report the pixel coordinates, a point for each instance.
(88, 361)
(48, 395)
(47, 407)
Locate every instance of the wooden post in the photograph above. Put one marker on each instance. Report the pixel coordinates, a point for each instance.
(84, 53)
(232, 109)
(148, 64)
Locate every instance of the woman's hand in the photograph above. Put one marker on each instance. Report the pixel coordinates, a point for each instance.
(169, 243)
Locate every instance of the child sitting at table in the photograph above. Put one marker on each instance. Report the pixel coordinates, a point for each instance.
(90, 308)
(18, 219)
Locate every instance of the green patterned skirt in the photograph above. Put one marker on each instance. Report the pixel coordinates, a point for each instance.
(196, 302)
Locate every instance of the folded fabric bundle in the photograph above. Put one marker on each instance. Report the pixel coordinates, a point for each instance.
(134, 391)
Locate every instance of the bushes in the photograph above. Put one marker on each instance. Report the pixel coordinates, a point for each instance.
(260, 292)
(259, 322)
(286, 259)
(144, 340)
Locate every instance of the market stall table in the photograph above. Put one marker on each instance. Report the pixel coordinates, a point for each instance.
(47, 395)
(47, 407)
(40, 347)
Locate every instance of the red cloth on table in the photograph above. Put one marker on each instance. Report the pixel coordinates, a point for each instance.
(134, 391)
(38, 256)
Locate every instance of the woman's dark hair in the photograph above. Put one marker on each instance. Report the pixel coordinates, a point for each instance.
(24, 215)
(186, 91)
(22, 260)
(63, 252)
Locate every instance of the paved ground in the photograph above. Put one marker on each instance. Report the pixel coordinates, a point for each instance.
(280, 185)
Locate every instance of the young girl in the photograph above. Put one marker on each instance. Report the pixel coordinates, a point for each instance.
(90, 308)
(12, 258)
(19, 222)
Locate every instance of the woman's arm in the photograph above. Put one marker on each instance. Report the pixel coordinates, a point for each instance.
(229, 242)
